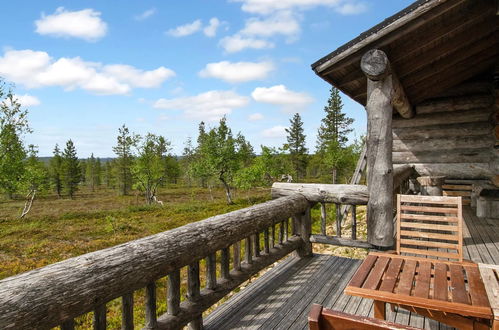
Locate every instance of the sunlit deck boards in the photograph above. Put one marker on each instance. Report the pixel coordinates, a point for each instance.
(281, 298)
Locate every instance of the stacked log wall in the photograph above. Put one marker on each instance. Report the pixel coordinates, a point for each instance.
(452, 135)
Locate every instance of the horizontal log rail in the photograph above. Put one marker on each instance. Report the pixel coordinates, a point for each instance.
(56, 294)
(337, 194)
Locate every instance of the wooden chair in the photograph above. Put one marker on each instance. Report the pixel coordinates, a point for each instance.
(430, 226)
(321, 318)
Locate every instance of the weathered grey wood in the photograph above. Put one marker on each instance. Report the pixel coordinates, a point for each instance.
(266, 243)
(472, 142)
(340, 241)
(457, 155)
(151, 319)
(401, 173)
(327, 193)
(256, 245)
(193, 282)
(323, 218)
(196, 324)
(173, 292)
(99, 319)
(272, 236)
(286, 229)
(442, 131)
(189, 310)
(225, 264)
(376, 67)
(305, 223)
(455, 104)
(467, 116)
(211, 271)
(127, 311)
(379, 160)
(281, 233)
(68, 325)
(338, 220)
(456, 170)
(237, 256)
(248, 258)
(354, 221)
(112, 272)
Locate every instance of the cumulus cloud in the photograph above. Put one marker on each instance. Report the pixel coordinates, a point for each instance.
(352, 8)
(284, 23)
(255, 117)
(85, 24)
(27, 100)
(236, 72)
(186, 29)
(281, 96)
(211, 29)
(265, 7)
(35, 69)
(209, 106)
(145, 15)
(274, 132)
(237, 43)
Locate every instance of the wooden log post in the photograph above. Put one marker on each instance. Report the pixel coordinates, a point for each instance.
(305, 229)
(380, 93)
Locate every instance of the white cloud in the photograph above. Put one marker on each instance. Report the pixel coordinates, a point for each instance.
(145, 15)
(284, 23)
(236, 72)
(85, 24)
(27, 100)
(274, 132)
(209, 106)
(211, 29)
(35, 69)
(255, 117)
(280, 95)
(185, 30)
(237, 43)
(138, 78)
(352, 8)
(266, 7)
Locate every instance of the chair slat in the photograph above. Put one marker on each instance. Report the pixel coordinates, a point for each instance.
(433, 244)
(425, 217)
(440, 283)
(430, 209)
(430, 253)
(422, 288)
(374, 277)
(406, 278)
(458, 291)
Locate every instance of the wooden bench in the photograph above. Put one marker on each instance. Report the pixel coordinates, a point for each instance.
(321, 318)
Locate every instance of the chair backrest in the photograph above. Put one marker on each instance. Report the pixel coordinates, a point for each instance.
(430, 226)
(321, 318)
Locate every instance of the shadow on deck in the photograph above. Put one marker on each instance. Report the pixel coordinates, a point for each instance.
(282, 297)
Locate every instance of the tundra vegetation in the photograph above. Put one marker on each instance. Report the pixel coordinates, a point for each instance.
(53, 208)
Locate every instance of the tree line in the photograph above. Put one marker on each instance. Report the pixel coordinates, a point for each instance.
(218, 157)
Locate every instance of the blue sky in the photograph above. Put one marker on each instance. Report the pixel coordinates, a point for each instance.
(84, 68)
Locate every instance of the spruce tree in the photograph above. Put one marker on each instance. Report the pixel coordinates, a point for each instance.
(332, 135)
(71, 170)
(123, 149)
(336, 125)
(90, 173)
(296, 145)
(55, 170)
(97, 172)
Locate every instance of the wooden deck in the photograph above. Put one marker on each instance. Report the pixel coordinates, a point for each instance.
(281, 298)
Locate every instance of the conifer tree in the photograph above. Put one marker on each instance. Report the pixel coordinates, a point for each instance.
(108, 173)
(35, 178)
(126, 141)
(336, 125)
(97, 172)
(296, 145)
(71, 170)
(332, 135)
(55, 170)
(90, 172)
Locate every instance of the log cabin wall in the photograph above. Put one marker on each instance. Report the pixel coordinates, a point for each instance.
(451, 135)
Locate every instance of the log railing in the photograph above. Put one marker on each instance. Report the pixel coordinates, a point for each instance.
(327, 194)
(57, 294)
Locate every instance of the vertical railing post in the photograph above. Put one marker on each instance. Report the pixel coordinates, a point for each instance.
(173, 293)
(338, 220)
(305, 227)
(151, 319)
(354, 222)
(193, 293)
(323, 218)
(225, 264)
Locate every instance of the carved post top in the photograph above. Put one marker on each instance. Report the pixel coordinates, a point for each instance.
(375, 64)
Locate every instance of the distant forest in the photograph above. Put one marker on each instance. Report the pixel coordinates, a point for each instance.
(217, 157)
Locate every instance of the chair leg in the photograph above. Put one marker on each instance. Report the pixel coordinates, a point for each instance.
(394, 308)
(380, 310)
